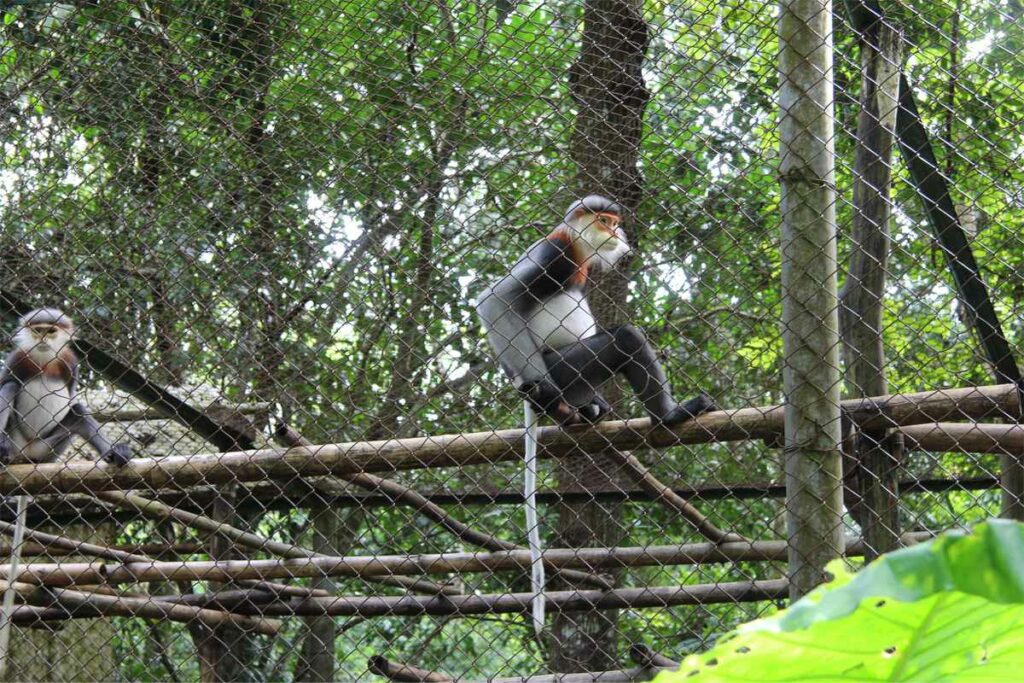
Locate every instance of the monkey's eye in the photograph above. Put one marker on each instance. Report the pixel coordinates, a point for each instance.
(608, 221)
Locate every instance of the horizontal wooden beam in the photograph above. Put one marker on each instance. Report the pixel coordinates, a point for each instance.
(270, 496)
(371, 566)
(98, 604)
(964, 437)
(634, 675)
(505, 603)
(459, 450)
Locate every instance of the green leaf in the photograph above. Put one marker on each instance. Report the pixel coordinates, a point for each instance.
(948, 610)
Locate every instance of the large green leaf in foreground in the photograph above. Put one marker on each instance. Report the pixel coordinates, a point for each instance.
(951, 609)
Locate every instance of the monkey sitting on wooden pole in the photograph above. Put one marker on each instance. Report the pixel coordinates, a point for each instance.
(39, 413)
(540, 325)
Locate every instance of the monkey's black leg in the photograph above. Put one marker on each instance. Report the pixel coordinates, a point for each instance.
(56, 441)
(583, 367)
(78, 421)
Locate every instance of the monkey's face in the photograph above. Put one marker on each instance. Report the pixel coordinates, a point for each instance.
(44, 341)
(605, 237)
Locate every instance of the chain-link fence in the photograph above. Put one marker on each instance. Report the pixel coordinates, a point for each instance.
(271, 221)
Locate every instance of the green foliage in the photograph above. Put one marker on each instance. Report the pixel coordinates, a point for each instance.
(950, 609)
(297, 201)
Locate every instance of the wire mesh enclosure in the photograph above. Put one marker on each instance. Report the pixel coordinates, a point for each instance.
(272, 221)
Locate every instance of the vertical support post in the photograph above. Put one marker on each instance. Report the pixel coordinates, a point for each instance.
(809, 293)
(874, 456)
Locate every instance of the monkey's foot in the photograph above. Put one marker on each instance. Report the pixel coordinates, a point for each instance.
(119, 454)
(689, 410)
(596, 411)
(564, 414)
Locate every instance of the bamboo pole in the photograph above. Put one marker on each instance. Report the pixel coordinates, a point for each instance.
(399, 493)
(88, 573)
(648, 658)
(37, 549)
(73, 546)
(159, 510)
(739, 490)
(28, 615)
(225, 600)
(663, 494)
(110, 606)
(397, 671)
(612, 676)
(460, 450)
(280, 589)
(98, 605)
(963, 437)
(506, 603)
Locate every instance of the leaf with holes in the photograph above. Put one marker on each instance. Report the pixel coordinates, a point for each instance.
(951, 609)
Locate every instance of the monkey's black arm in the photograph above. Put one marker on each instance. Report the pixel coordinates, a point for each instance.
(507, 305)
(125, 378)
(8, 393)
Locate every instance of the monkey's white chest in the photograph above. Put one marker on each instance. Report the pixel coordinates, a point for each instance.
(42, 403)
(564, 319)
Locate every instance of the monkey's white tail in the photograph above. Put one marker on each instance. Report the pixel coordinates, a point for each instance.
(532, 523)
(7, 609)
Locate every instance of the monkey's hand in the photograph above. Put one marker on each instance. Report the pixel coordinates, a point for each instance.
(6, 449)
(546, 399)
(119, 454)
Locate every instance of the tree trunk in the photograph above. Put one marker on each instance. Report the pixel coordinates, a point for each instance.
(872, 466)
(809, 305)
(608, 88)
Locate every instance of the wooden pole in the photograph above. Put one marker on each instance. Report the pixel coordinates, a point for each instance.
(107, 605)
(90, 573)
(964, 437)
(159, 510)
(99, 605)
(403, 494)
(508, 603)
(460, 450)
(611, 676)
(810, 326)
(648, 658)
(663, 494)
(72, 546)
(397, 671)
